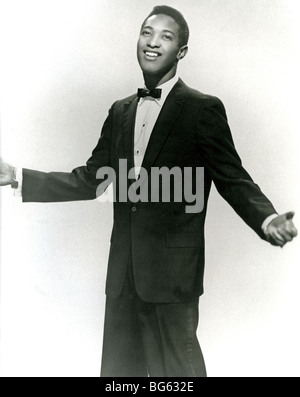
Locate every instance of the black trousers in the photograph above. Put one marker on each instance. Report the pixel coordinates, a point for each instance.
(146, 339)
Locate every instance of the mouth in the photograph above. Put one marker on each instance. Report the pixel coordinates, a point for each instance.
(151, 55)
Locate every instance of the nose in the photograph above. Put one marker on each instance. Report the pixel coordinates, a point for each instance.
(153, 41)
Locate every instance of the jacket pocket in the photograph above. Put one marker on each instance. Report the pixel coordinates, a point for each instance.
(184, 240)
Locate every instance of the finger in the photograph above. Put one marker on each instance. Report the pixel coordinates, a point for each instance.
(285, 235)
(276, 242)
(294, 231)
(290, 228)
(276, 239)
(278, 236)
(290, 215)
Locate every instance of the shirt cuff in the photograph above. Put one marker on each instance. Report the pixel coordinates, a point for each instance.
(267, 222)
(19, 179)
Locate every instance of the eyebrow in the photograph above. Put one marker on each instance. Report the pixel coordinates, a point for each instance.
(164, 30)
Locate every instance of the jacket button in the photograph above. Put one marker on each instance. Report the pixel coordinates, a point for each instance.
(134, 209)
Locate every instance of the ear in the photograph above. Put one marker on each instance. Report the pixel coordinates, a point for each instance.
(182, 52)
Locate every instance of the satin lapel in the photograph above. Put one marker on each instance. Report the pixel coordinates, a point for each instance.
(128, 130)
(165, 123)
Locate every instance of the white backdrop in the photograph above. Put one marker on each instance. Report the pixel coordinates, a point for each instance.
(63, 64)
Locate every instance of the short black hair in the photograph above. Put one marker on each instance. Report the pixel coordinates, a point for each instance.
(184, 31)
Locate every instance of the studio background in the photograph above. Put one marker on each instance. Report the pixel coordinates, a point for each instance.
(63, 65)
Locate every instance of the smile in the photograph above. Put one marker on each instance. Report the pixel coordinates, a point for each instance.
(151, 55)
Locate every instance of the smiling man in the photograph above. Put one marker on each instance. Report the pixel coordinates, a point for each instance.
(162, 43)
(156, 261)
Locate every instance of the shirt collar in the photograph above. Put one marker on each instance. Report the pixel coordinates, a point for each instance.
(166, 89)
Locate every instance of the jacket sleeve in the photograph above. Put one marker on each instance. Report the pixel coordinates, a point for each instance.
(80, 184)
(225, 167)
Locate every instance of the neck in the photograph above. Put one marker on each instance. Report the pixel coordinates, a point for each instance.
(155, 80)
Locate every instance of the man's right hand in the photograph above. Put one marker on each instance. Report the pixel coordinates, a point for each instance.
(6, 173)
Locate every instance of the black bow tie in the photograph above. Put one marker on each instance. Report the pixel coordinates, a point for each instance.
(155, 93)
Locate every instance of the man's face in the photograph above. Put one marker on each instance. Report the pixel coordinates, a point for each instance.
(158, 50)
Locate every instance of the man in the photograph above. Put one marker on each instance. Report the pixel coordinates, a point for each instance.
(156, 262)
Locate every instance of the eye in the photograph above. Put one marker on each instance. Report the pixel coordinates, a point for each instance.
(146, 33)
(167, 37)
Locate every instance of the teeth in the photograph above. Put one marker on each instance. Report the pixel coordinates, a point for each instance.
(152, 54)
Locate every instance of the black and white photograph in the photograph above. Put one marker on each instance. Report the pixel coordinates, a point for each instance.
(149, 190)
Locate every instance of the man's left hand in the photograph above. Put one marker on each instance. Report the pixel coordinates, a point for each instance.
(281, 230)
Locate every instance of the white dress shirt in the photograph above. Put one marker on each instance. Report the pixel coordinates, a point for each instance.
(147, 113)
(19, 178)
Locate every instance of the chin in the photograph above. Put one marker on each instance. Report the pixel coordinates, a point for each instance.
(151, 69)
(152, 72)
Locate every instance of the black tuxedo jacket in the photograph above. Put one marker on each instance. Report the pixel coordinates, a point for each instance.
(164, 243)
